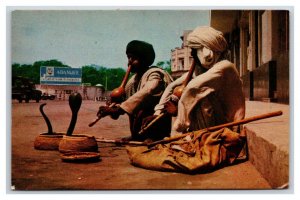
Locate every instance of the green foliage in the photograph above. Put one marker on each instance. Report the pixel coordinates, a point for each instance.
(90, 75)
(114, 77)
(32, 71)
(166, 65)
(93, 74)
(110, 78)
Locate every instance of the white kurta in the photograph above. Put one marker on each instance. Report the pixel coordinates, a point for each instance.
(210, 98)
(142, 96)
(151, 86)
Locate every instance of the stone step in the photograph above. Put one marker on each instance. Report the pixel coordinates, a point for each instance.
(268, 142)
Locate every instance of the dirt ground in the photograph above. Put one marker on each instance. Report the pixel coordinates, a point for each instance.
(36, 170)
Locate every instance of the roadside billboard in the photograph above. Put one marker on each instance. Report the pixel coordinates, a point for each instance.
(60, 76)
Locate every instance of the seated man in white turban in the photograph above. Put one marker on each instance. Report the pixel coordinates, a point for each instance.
(214, 96)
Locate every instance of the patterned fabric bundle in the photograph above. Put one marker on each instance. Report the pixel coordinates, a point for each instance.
(199, 152)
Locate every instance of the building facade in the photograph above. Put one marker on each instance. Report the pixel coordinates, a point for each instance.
(259, 47)
(62, 92)
(181, 58)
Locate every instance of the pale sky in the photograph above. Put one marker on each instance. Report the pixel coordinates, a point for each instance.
(79, 38)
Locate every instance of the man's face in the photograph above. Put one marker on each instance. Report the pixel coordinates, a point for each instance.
(134, 62)
(207, 57)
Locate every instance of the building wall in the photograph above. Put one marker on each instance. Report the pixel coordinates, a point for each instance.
(62, 92)
(270, 75)
(261, 52)
(283, 83)
(264, 86)
(181, 58)
(282, 58)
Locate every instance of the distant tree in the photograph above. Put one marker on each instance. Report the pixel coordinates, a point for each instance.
(166, 65)
(90, 75)
(160, 64)
(25, 71)
(94, 74)
(32, 71)
(114, 77)
(110, 78)
(52, 62)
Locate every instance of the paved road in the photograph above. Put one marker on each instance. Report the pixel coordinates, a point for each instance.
(44, 170)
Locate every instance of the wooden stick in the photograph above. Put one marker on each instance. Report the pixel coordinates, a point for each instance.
(96, 120)
(152, 122)
(214, 128)
(120, 142)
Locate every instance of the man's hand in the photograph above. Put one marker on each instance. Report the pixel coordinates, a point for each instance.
(114, 111)
(171, 108)
(147, 120)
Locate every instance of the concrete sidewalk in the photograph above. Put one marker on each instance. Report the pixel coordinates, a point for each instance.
(268, 142)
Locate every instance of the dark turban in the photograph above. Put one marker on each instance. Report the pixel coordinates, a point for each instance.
(143, 50)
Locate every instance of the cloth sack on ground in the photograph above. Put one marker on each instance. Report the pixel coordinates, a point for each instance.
(199, 152)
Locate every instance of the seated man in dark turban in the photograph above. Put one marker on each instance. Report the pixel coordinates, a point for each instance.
(143, 92)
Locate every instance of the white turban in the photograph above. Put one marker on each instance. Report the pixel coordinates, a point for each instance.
(208, 37)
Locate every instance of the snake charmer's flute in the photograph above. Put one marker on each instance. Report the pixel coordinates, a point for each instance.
(117, 95)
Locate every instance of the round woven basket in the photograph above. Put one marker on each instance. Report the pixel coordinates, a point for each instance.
(46, 141)
(78, 143)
